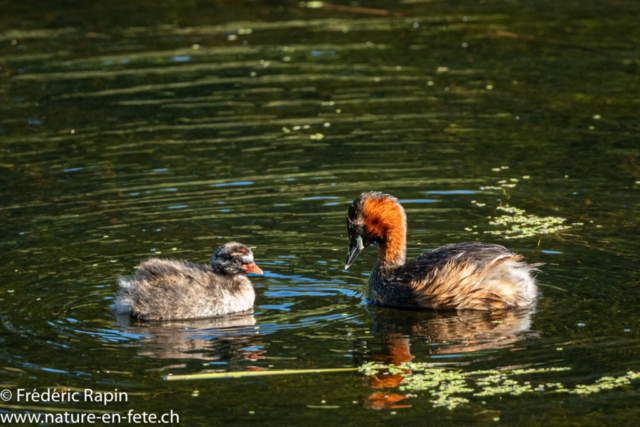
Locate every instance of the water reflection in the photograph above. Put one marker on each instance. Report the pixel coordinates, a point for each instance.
(461, 331)
(450, 333)
(221, 339)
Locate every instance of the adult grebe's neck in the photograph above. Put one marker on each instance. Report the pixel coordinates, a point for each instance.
(385, 218)
(392, 250)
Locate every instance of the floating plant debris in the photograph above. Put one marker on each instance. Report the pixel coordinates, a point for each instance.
(520, 225)
(445, 385)
(515, 224)
(241, 374)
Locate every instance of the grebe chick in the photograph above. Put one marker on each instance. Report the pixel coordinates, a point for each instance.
(171, 289)
(471, 275)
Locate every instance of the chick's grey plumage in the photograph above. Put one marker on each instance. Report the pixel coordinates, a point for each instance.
(171, 289)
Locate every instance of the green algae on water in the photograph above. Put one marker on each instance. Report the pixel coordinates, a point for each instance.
(516, 225)
(446, 385)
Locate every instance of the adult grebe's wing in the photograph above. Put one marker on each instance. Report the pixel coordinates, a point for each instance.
(481, 254)
(471, 275)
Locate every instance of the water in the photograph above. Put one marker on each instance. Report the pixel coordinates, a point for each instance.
(135, 129)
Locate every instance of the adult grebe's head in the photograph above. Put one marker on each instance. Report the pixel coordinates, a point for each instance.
(377, 217)
(234, 258)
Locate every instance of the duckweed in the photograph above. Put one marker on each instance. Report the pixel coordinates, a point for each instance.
(445, 386)
(604, 383)
(516, 225)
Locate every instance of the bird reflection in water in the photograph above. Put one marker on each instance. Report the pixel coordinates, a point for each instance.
(223, 338)
(453, 332)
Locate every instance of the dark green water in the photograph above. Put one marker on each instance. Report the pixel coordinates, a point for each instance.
(130, 129)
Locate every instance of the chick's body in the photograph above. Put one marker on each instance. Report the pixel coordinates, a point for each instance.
(172, 289)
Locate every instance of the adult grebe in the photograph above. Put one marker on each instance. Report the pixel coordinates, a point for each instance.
(471, 275)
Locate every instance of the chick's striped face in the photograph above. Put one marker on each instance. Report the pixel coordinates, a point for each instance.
(243, 255)
(235, 258)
